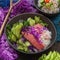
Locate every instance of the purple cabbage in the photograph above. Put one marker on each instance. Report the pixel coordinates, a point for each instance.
(23, 39)
(23, 7)
(32, 49)
(6, 52)
(31, 2)
(1, 16)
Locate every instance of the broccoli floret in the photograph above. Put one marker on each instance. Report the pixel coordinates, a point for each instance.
(42, 57)
(22, 46)
(48, 5)
(26, 23)
(31, 21)
(37, 19)
(11, 37)
(51, 56)
(27, 43)
(17, 29)
(48, 56)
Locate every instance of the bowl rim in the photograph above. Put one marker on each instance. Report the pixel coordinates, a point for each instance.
(45, 12)
(34, 52)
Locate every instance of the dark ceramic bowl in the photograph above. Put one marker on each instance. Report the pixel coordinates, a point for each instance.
(46, 14)
(24, 16)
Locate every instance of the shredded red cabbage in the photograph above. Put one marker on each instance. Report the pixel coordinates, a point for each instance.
(1, 16)
(31, 2)
(6, 52)
(23, 7)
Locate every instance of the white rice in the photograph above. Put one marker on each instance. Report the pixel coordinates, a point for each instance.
(46, 34)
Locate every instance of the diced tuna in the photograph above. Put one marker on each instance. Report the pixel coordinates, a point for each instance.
(38, 25)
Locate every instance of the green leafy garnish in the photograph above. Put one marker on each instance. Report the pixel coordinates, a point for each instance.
(51, 56)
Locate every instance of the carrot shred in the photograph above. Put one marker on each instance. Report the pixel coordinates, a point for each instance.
(47, 1)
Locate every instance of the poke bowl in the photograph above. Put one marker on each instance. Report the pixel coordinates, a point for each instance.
(48, 7)
(30, 33)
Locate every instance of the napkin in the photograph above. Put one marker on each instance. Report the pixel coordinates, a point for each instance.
(56, 21)
(5, 3)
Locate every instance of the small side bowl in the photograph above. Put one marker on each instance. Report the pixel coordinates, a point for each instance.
(46, 14)
(24, 16)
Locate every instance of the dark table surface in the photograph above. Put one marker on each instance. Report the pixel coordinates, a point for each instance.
(55, 47)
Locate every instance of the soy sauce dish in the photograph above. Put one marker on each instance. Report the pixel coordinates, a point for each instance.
(48, 7)
(30, 33)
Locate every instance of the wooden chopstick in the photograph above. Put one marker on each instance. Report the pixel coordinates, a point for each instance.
(16, 2)
(6, 18)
